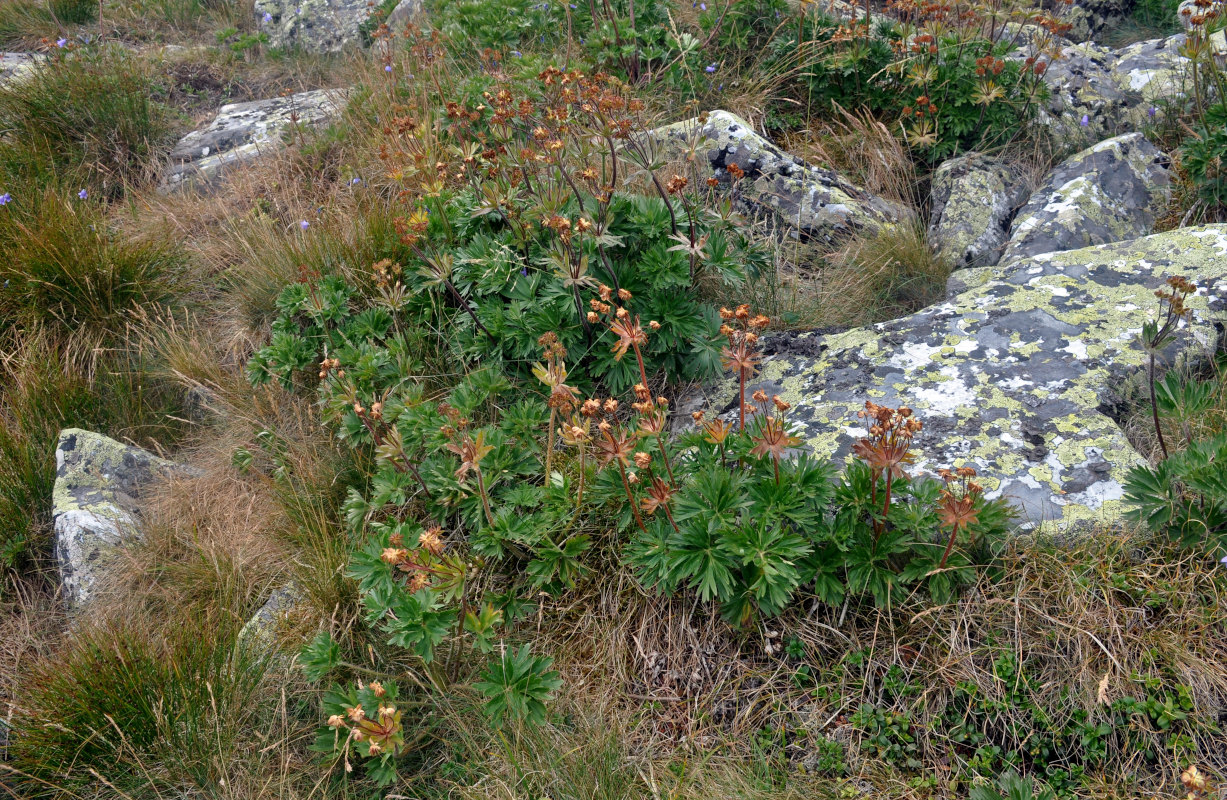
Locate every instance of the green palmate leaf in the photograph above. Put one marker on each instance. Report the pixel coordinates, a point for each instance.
(319, 656)
(517, 685)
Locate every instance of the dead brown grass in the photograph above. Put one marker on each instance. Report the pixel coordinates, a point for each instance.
(863, 150)
(1084, 621)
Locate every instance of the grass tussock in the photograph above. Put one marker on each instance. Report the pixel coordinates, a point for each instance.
(92, 115)
(24, 24)
(65, 271)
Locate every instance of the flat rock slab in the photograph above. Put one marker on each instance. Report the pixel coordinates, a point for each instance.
(243, 131)
(95, 504)
(1008, 377)
(1106, 193)
(14, 66)
(820, 204)
(317, 26)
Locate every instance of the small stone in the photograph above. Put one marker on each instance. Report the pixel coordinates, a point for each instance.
(96, 503)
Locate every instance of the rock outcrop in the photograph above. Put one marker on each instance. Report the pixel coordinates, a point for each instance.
(15, 66)
(317, 26)
(818, 203)
(974, 200)
(95, 506)
(1008, 377)
(1106, 193)
(243, 131)
(260, 632)
(1090, 18)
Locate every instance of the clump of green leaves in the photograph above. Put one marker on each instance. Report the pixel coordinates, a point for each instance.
(944, 83)
(1184, 495)
(750, 528)
(364, 720)
(1064, 742)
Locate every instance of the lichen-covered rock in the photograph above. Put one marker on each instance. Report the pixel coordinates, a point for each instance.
(1155, 69)
(317, 26)
(243, 131)
(260, 632)
(1106, 193)
(1008, 377)
(404, 13)
(1090, 18)
(1086, 100)
(818, 203)
(95, 504)
(15, 66)
(974, 199)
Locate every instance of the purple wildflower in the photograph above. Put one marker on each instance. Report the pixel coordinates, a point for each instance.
(304, 224)
(267, 17)
(83, 194)
(1150, 112)
(710, 68)
(61, 42)
(1086, 120)
(5, 199)
(388, 68)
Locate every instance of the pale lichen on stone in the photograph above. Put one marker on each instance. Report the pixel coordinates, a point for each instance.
(318, 26)
(243, 131)
(820, 204)
(1109, 192)
(1008, 377)
(974, 199)
(95, 502)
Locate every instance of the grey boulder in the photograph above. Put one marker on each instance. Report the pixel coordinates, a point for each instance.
(99, 484)
(973, 198)
(818, 203)
(318, 26)
(1106, 193)
(1008, 377)
(15, 66)
(243, 131)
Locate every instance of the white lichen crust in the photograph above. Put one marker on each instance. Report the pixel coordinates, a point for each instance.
(95, 502)
(1008, 377)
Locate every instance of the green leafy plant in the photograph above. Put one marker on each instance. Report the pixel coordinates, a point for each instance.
(1012, 786)
(749, 528)
(517, 685)
(365, 721)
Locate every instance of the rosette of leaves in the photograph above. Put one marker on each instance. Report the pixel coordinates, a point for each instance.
(363, 723)
(753, 539)
(520, 290)
(1184, 496)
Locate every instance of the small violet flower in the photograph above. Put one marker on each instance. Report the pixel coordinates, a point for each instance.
(1086, 120)
(517, 54)
(304, 224)
(83, 194)
(5, 199)
(524, 271)
(388, 68)
(710, 68)
(1150, 112)
(61, 42)
(267, 17)
(1222, 560)
(702, 6)
(355, 182)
